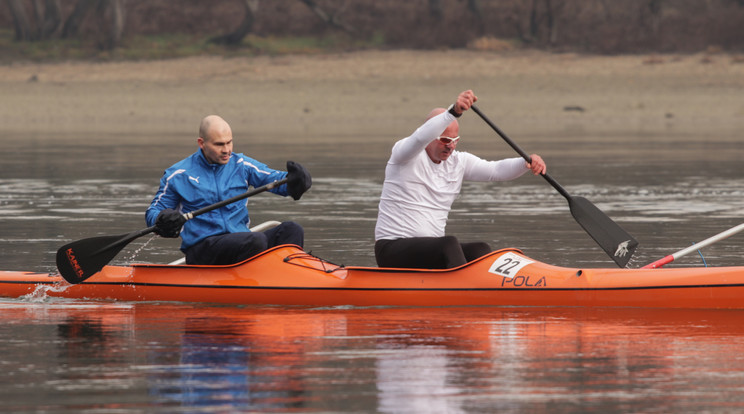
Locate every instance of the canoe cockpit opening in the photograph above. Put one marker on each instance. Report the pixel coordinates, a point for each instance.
(261, 227)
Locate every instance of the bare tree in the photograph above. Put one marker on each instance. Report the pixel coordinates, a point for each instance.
(49, 16)
(75, 19)
(110, 17)
(436, 10)
(474, 6)
(535, 20)
(550, 13)
(543, 13)
(23, 31)
(245, 27)
(331, 19)
(48, 21)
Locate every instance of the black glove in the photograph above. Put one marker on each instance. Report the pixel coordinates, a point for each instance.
(169, 223)
(298, 180)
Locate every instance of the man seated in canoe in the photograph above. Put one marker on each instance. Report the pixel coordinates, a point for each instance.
(212, 174)
(423, 177)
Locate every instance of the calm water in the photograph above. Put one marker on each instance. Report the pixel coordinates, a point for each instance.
(79, 356)
(125, 357)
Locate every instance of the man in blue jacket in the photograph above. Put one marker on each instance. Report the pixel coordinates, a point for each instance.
(212, 174)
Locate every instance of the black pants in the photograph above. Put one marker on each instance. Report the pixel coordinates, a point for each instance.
(427, 252)
(235, 247)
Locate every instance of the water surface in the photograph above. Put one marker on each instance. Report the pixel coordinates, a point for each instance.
(83, 356)
(68, 356)
(667, 192)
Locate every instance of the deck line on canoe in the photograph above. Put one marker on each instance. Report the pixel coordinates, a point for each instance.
(391, 289)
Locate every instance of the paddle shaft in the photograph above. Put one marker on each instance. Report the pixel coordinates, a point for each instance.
(267, 187)
(707, 242)
(192, 214)
(126, 239)
(520, 151)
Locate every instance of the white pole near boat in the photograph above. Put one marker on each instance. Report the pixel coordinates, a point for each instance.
(707, 242)
(261, 227)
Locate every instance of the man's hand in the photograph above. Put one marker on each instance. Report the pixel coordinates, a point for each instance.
(298, 180)
(169, 223)
(537, 165)
(464, 101)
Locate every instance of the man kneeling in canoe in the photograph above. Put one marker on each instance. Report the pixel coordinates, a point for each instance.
(212, 174)
(422, 179)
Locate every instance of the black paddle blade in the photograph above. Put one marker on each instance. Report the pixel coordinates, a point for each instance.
(615, 241)
(82, 259)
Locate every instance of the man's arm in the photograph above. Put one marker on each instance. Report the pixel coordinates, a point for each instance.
(259, 174)
(478, 169)
(166, 197)
(409, 147)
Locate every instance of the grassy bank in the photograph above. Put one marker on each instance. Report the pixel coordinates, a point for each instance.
(175, 45)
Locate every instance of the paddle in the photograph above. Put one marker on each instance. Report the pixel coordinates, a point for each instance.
(615, 241)
(82, 259)
(707, 242)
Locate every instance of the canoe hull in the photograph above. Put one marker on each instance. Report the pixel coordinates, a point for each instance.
(287, 276)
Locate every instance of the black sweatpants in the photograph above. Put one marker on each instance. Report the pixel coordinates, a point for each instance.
(427, 252)
(235, 247)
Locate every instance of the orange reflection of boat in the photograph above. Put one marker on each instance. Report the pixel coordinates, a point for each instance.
(259, 358)
(288, 276)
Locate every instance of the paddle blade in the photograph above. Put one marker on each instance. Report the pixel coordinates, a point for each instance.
(615, 241)
(82, 259)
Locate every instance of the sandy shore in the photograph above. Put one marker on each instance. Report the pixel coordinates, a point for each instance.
(377, 93)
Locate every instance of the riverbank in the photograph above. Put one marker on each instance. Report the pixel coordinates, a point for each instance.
(373, 93)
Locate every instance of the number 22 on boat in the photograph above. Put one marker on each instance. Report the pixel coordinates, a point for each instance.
(508, 264)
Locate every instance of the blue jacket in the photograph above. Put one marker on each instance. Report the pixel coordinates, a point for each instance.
(193, 183)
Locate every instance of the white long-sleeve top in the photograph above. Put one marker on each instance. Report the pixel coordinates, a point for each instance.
(417, 193)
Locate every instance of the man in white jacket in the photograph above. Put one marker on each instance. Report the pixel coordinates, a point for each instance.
(422, 179)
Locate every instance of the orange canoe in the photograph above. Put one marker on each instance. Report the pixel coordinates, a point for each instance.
(286, 275)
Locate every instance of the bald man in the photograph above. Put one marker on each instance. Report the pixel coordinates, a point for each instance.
(422, 179)
(212, 174)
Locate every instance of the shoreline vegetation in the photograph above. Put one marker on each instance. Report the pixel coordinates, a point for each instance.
(175, 46)
(118, 30)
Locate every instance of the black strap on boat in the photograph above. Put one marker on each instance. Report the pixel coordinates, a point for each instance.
(324, 264)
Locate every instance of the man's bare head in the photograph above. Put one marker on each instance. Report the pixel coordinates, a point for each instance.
(436, 149)
(215, 139)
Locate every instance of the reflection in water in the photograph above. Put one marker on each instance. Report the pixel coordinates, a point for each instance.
(213, 370)
(420, 360)
(415, 379)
